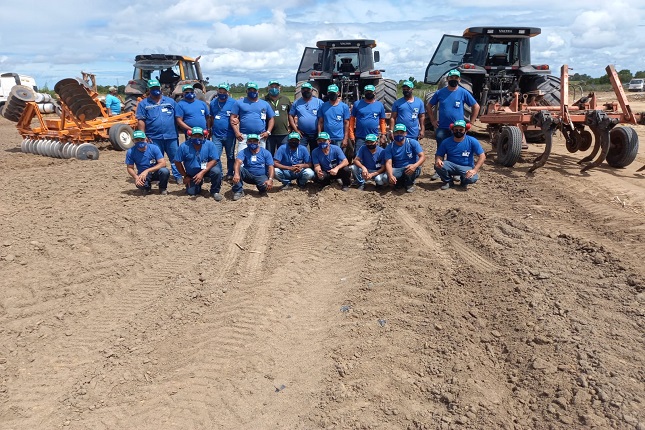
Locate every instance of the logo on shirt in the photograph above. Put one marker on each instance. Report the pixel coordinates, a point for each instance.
(465, 154)
(375, 114)
(314, 111)
(338, 117)
(457, 104)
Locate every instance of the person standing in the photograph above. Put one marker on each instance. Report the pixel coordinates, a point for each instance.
(403, 159)
(333, 118)
(409, 111)
(156, 118)
(368, 117)
(196, 159)
(112, 102)
(222, 132)
(149, 162)
(330, 163)
(369, 163)
(281, 106)
(303, 116)
(254, 165)
(292, 161)
(455, 157)
(251, 115)
(191, 112)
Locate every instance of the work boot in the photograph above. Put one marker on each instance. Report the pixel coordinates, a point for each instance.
(238, 196)
(217, 197)
(446, 185)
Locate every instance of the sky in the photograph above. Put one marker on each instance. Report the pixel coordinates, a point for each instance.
(260, 40)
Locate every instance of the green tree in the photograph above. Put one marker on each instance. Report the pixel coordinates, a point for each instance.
(625, 75)
(640, 74)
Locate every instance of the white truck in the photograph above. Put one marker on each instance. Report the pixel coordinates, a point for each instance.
(8, 80)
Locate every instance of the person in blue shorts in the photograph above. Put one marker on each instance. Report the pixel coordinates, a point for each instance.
(252, 115)
(149, 163)
(330, 163)
(191, 112)
(409, 111)
(292, 161)
(196, 159)
(455, 157)
(219, 120)
(369, 163)
(156, 118)
(367, 117)
(254, 165)
(451, 101)
(303, 116)
(333, 118)
(403, 159)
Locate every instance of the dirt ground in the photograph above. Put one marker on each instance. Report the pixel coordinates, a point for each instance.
(519, 304)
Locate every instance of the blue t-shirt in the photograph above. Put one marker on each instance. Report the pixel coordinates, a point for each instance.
(367, 117)
(461, 153)
(113, 104)
(289, 157)
(257, 163)
(451, 104)
(371, 161)
(221, 113)
(253, 115)
(328, 161)
(334, 118)
(195, 160)
(159, 117)
(408, 114)
(143, 160)
(404, 155)
(307, 114)
(193, 113)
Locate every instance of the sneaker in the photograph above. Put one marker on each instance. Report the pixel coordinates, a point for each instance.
(456, 178)
(163, 192)
(339, 181)
(361, 187)
(217, 197)
(434, 177)
(344, 188)
(286, 187)
(179, 181)
(409, 189)
(238, 196)
(446, 185)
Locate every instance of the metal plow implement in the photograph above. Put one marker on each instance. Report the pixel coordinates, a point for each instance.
(617, 145)
(82, 121)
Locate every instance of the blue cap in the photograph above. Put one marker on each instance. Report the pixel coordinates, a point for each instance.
(252, 85)
(252, 136)
(459, 123)
(323, 135)
(294, 135)
(400, 127)
(371, 138)
(408, 84)
(332, 88)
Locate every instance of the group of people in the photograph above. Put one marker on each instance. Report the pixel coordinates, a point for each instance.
(274, 139)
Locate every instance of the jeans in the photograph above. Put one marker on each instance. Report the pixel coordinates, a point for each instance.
(451, 169)
(380, 179)
(162, 175)
(286, 176)
(309, 139)
(170, 147)
(441, 134)
(274, 142)
(241, 145)
(408, 180)
(249, 178)
(337, 142)
(229, 146)
(215, 175)
(358, 143)
(343, 174)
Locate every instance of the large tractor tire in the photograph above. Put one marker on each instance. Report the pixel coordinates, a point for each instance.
(386, 93)
(509, 146)
(550, 86)
(465, 83)
(121, 137)
(131, 101)
(209, 96)
(298, 94)
(623, 147)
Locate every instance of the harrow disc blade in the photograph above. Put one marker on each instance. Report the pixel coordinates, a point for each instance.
(23, 93)
(23, 145)
(66, 150)
(57, 149)
(30, 146)
(87, 151)
(75, 94)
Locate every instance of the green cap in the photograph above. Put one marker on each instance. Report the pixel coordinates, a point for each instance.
(224, 85)
(138, 134)
(369, 88)
(252, 85)
(307, 85)
(400, 127)
(252, 137)
(459, 123)
(454, 72)
(187, 87)
(323, 135)
(294, 135)
(332, 88)
(371, 138)
(408, 84)
(153, 83)
(197, 130)
(273, 83)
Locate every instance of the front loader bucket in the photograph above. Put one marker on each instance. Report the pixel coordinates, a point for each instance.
(75, 94)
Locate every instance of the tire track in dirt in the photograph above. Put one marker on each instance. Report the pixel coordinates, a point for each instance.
(473, 258)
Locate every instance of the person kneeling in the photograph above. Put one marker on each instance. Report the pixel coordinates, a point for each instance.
(254, 165)
(196, 159)
(150, 164)
(369, 163)
(293, 161)
(330, 163)
(403, 159)
(459, 151)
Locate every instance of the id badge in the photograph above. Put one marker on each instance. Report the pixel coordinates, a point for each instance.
(218, 117)
(415, 116)
(263, 115)
(254, 158)
(378, 165)
(203, 166)
(277, 113)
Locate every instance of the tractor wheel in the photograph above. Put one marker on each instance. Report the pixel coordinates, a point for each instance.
(314, 92)
(550, 86)
(509, 146)
(386, 93)
(586, 141)
(130, 103)
(121, 137)
(209, 96)
(623, 147)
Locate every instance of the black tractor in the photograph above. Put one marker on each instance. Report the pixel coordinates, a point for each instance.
(350, 65)
(495, 63)
(172, 72)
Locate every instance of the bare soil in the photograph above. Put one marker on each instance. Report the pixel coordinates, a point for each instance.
(519, 304)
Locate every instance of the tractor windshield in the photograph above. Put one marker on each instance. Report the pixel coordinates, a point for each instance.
(493, 51)
(449, 54)
(348, 60)
(310, 61)
(189, 70)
